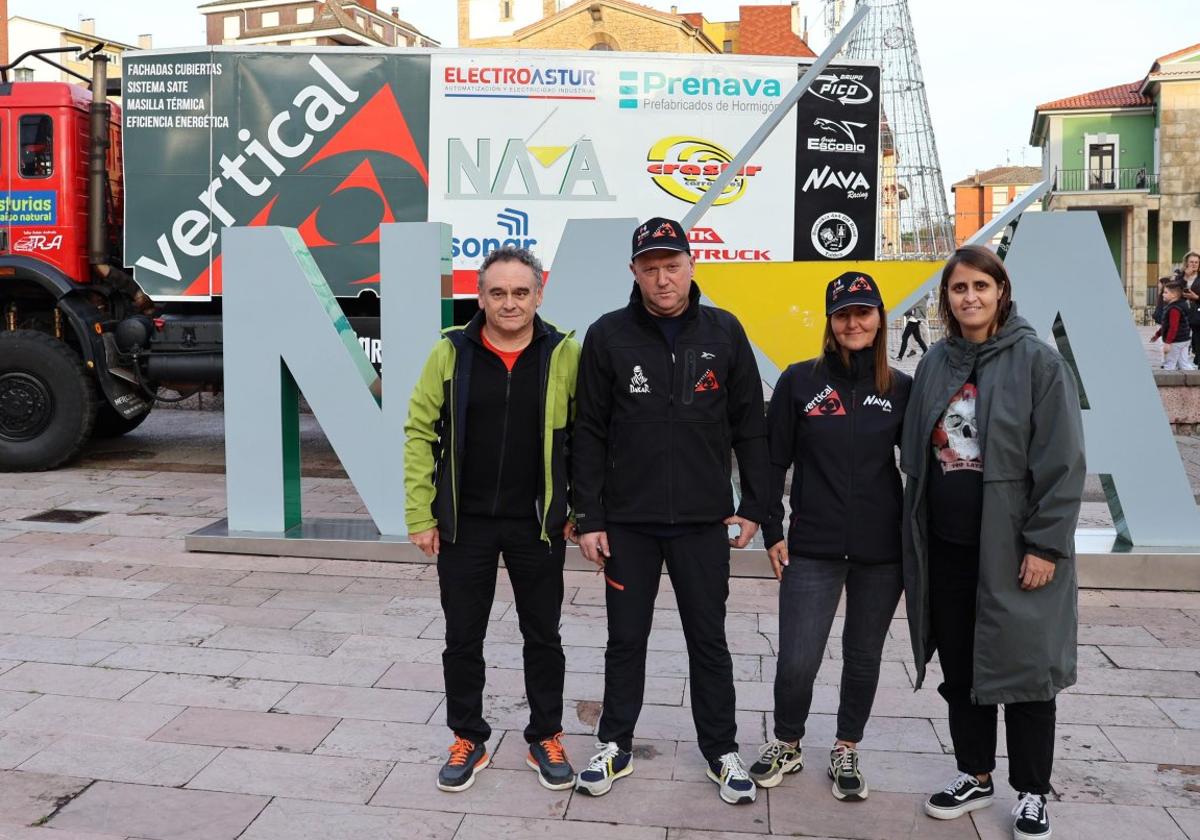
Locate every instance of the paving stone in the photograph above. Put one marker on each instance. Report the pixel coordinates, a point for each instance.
(177, 659)
(479, 827)
(106, 587)
(11, 701)
(1085, 821)
(1183, 713)
(1137, 683)
(28, 797)
(894, 734)
(270, 640)
(76, 568)
(1122, 783)
(1134, 616)
(247, 616)
(128, 608)
(658, 802)
(1187, 819)
(185, 574)
(414, 743)
(366, 624)
(318, 777)
(74, 680)
(292, 582)
(225, 596)
(422, 676)
(386, 647)
(329, 602)
(45, 624)
(291, 819)
(367, 569)
(41, 602)
(508, 793)
(1101, 709)
(254, 730)
(1117, 634)
(1163, 746)
(211, 692)
(362, 703)
(1177, 637)
(122, 759)
(53, 714)
(174, 632)
(50, 649)
(17, 747)
(1156, 659)
(315, 669)
(159, 812)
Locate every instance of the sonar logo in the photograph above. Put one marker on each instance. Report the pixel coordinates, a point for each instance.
(685, 167)
(514, 225)
(834, 235)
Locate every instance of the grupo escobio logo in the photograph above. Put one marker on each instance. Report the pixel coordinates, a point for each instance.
(685, 167)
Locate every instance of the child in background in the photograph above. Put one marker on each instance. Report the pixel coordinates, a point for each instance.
(1175, 330)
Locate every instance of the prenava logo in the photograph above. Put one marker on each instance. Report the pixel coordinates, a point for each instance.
(659, 91)
(685, 167)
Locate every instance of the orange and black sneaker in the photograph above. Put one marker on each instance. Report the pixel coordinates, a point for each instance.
(549, 759)
(466, 759)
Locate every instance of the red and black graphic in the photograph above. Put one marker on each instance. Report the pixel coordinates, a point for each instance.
(665, 229)
(708, 382)
(827, 404)
(860, 284)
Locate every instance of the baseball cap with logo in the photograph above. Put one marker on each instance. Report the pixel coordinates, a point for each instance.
(659, 234)
(851, 289)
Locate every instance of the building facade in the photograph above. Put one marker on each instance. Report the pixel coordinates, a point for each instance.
(1131, 152)
(627, 26)
(985, 195)
(353, 23)
(26, 34)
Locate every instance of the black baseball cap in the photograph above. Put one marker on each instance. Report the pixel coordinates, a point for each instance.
(851, 289)
(659, 234)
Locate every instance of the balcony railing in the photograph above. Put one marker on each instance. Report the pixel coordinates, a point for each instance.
(1090, 180)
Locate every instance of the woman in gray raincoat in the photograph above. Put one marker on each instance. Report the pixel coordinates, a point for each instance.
(992, 451)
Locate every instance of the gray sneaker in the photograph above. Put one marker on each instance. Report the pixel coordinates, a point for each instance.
(776, 759)
(734, 783)
(848, 782)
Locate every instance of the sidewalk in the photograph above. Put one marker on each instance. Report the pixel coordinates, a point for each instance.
(150, 693)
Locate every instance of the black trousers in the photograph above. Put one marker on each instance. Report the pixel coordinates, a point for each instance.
(953, 581)
(467, 578)
(913, 329)
(698, 564)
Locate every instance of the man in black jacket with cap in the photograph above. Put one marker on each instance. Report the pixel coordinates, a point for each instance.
(666, 388)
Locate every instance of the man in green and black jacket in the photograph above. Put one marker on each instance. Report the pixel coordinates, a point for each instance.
(485, 462)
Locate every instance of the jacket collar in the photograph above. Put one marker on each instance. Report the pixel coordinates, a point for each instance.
(473, 330)
(638, 304)
(861, 365)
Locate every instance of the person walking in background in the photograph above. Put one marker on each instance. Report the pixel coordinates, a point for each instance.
(485, 474)
(836, 420)
(912, 328)
(994, 481)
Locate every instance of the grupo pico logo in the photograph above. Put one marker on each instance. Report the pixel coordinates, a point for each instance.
(685, 167)
(845, 88)
(834, 235)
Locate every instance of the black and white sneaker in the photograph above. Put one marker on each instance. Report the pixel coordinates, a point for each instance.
(606, 766)
(963, 795)
(1030, 819)
(848, 782)
(736, 786)
(776, 759)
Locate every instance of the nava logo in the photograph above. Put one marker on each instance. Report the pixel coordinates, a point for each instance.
(514, 225)
(525, 172)
(685, 167)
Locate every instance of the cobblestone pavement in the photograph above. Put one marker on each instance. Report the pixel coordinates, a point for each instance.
(146, 692)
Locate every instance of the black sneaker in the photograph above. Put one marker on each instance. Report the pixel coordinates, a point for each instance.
(963, 795)
(1030, 819)
(848, 782)
(466, 759)
(734, 783)
(776, 759)
(606, 766)
(549, 759)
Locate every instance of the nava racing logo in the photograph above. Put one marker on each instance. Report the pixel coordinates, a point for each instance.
(708, 246)
(845, 88)
(685, 168)
(514, 227)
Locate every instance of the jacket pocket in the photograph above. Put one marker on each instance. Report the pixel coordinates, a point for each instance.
(635, 480)
(702, 469)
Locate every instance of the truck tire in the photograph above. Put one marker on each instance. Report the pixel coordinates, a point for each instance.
(48, 402)
(110, 423)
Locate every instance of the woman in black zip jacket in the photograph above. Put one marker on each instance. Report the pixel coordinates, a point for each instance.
(837, 419)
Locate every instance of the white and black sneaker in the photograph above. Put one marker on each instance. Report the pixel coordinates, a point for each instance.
(848, 782)
(736, 786)
(776, 759)
(963, 795)
(1030, 819)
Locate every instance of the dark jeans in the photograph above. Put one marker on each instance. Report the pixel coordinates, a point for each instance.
(1196, 343)
(698, 564)
(953, 581)
(914, 330)
(808, 599)
(467, 577)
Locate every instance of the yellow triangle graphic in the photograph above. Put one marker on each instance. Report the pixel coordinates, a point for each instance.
(547, 155)
(782, 305)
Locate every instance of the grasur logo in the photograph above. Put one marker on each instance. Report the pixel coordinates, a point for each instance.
(685, 167)
(704, 241)
(846, 88)
(471, 82)
(655, 85)
(839, 129)
(834, 235)
(854, 183)
(538, 173)
(513, 223)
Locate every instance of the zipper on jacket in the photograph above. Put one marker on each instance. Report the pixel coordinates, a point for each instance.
(503, 441)
(850, 449)
(670, 437)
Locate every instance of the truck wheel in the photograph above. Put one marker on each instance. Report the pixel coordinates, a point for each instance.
(48, 402)
(110, 423)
